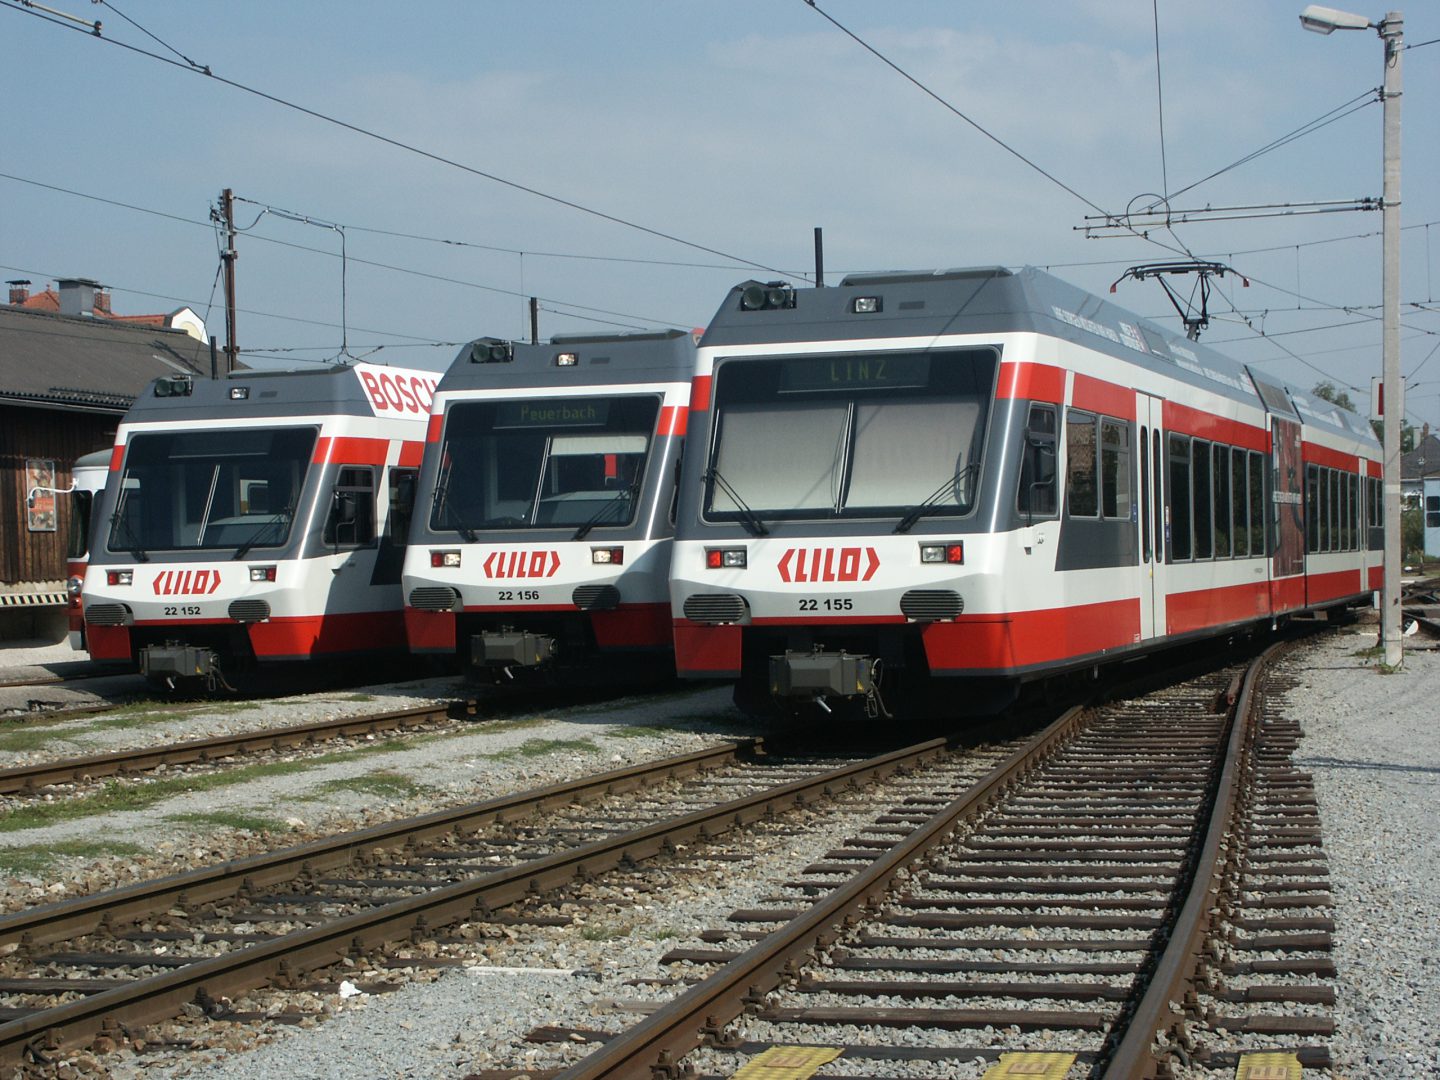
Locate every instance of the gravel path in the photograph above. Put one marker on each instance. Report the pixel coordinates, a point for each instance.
(1372, 741)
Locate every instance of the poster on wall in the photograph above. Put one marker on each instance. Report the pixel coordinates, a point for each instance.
(40, 494)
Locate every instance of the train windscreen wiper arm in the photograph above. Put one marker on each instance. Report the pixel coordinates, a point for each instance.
(931, 501)
(748, 517)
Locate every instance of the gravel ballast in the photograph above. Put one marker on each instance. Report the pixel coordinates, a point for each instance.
(1370, 739)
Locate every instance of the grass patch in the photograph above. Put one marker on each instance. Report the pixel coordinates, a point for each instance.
(540, 747)
(38, 858)
(383, 785)
(227, 819)
(25, 740)
(117, 796)
(1370, 653)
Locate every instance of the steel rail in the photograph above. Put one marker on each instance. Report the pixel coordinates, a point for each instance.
(686, 1021)
(66, 919)
(25, 778)
(1134, 1055)
(150, 999)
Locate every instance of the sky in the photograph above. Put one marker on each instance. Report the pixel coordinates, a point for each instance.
(627, 162)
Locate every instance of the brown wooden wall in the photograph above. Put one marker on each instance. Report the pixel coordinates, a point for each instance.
(41, 433)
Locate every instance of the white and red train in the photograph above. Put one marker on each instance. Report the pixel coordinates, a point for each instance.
(541, 542)
(917, 491)
(257, 518)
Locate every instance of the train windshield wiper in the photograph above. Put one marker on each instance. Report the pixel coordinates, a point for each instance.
(263, 531)
(609, 504)
(931, 502)
(440, 505)
(134, 547)
(748, 517)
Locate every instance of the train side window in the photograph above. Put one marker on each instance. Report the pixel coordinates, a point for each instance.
(1337, 516)
(1377, 504)
(1115, 470)
(1200, 479)
(1327, 510)
(351, 521)
(1258, 545)
(1082, 494)
(1312, 509)
(1347, 509)
(1179, 498)
(1357, 513)
(402, 504)
(1221, 475)
(1035, 496)
(1239, 504)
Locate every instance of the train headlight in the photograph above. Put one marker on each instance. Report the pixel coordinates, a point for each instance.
(444, 558)
(567, 359)
(119, 577)
(757, 297)
(607, 556)
(725, 558)
(239, 393)
(866, 305)
(952, 552)
(73, 585)
(262, 573)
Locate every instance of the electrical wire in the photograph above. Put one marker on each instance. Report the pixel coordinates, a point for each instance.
(399, 144)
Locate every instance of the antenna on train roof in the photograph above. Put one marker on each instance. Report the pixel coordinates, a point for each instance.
(1194, 311)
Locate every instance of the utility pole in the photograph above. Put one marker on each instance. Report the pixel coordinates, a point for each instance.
(1392, 33)
(228, 257)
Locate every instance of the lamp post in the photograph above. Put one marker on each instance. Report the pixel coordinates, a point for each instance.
(1391, 28)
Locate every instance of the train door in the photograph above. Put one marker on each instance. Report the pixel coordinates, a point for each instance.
(1287, 532)
(1151, 457)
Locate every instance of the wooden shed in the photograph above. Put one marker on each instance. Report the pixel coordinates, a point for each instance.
(65, 382)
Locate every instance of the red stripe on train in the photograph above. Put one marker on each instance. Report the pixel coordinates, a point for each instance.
(1034, 382)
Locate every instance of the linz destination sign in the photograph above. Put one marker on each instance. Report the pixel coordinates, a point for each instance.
(855, 373)
(553, 412)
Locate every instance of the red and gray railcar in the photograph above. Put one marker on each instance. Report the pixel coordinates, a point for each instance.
(541, 543)
(919, 491)
(257, 519)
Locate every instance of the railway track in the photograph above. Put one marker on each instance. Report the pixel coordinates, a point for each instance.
(1139, 888)
(142, 953)
(1020, 895)
(21, 779)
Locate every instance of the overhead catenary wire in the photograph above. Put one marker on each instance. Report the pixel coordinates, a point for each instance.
(411, 148)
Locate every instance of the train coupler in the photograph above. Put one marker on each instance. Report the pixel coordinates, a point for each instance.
(511, 648)
(819, 675)
(171, 661)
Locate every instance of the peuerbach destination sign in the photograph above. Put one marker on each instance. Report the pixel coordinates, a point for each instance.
(552, 412)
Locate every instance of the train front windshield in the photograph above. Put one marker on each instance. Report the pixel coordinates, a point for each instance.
(210, 490)
(543, 462)
(849, 436)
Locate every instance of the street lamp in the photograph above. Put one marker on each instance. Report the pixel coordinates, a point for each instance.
(1324, 20)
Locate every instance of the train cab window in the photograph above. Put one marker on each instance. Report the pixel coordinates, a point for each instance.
(849, 436)
(78, 540)
(1239, 505)
(1258, 545)
(1036, 495)
(1203, 516)
(351, 521)
(402, 505)
(1179, 498)
(1082, 476)
(1114, 470)
(210, 489)
(1221, 476)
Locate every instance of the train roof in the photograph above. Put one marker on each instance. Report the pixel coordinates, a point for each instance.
(338, 390)
(600, 359)
(996, 300)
